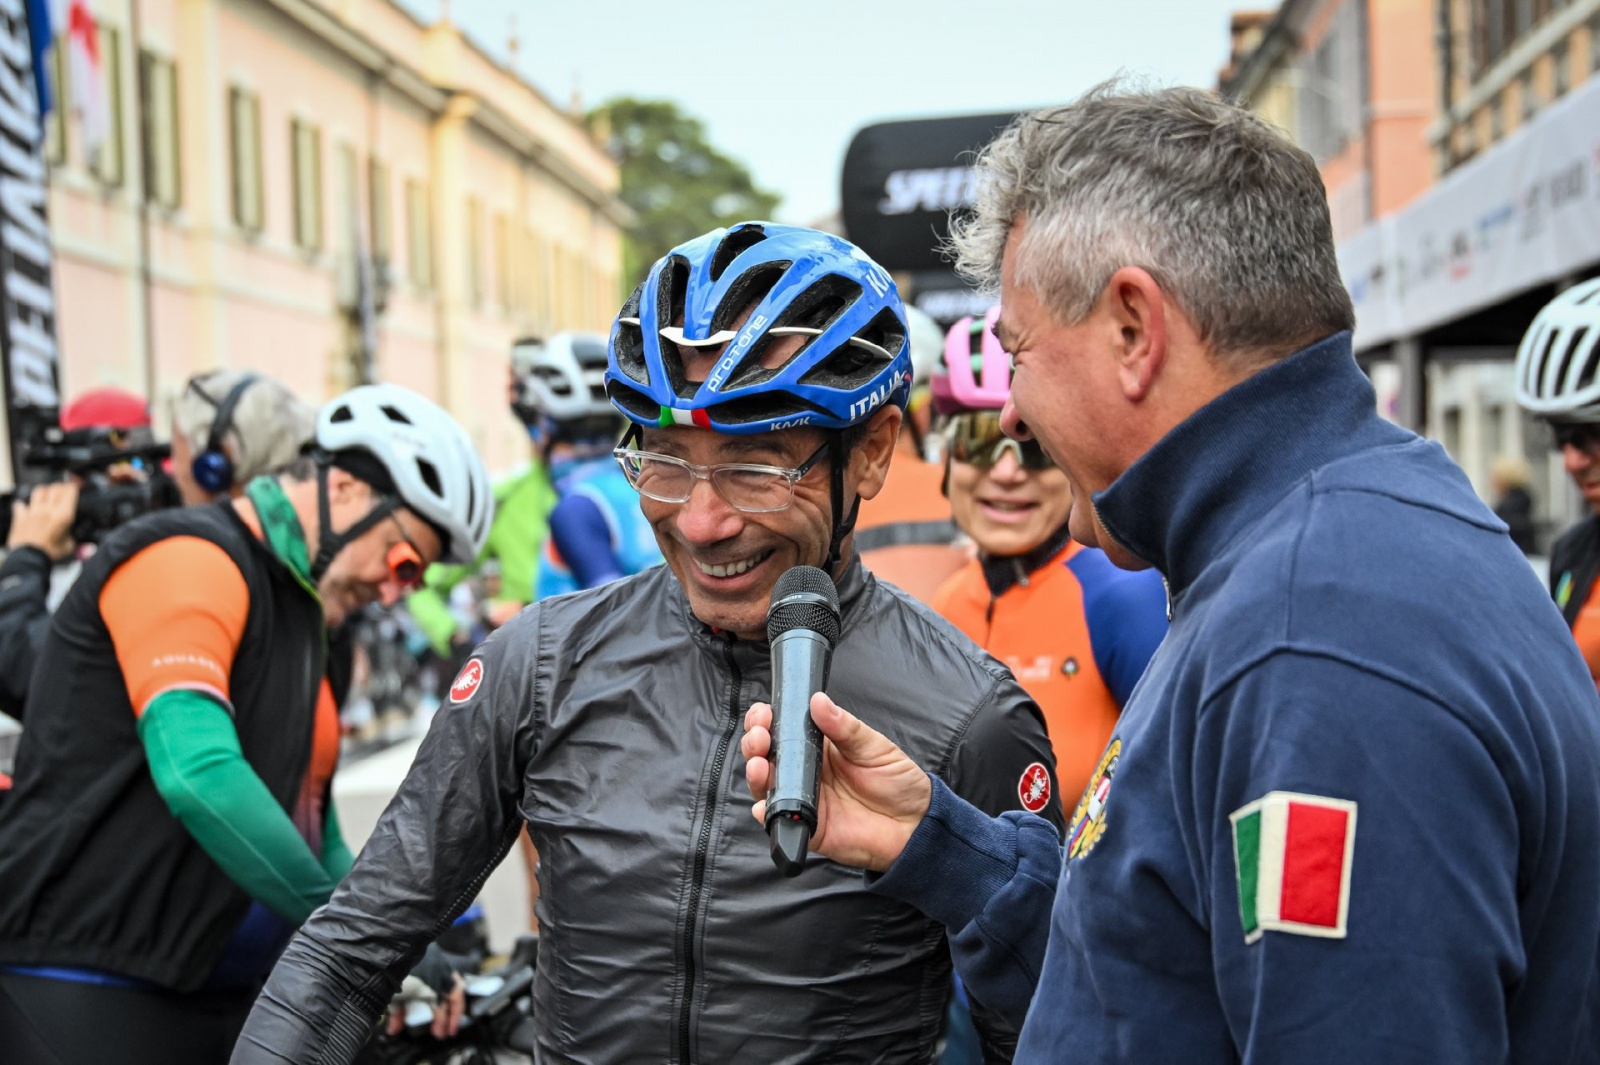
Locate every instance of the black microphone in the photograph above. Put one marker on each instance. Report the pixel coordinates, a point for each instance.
(802, 625)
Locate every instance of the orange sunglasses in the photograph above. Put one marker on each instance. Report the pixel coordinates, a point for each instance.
(405, 561)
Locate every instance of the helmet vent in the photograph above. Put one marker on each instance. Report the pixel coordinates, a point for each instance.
(395, 414)
(734, 245)
(1573, 346)
(628, 340)
(639, 406)
(430, 477)
(748, 289)
(748, 409)
(342, 414)
(672, 288)
(554, 380)
(853, 365)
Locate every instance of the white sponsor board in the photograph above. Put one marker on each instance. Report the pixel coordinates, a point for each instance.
(1524, 213)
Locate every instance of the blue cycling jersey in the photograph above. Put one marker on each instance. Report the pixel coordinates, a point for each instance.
(597, 533)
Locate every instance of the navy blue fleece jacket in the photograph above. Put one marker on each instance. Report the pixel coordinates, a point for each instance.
(1352, 813)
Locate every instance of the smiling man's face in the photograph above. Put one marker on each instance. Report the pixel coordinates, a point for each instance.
(727, 560)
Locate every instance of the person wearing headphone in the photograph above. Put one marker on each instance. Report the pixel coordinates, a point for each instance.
(231, 426)
(172, 821)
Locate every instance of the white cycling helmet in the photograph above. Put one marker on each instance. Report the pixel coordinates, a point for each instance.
(435, 469)
(563, 378)
(927, 345)
(1558, 362)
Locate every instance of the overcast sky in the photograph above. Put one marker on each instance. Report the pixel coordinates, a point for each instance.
(783, 86)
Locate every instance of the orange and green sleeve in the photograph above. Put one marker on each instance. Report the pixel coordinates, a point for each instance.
(176, 613)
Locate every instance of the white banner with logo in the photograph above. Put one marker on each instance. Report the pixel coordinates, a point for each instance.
(1522, 214)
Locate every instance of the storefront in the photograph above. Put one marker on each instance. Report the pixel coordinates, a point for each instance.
(1444, 289)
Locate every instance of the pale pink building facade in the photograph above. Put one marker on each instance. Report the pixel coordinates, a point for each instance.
(279, 137)
(1353, 82)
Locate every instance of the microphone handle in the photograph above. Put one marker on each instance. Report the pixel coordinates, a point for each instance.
(800, 662)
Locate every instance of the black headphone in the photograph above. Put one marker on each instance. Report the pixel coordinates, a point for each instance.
(212, 468)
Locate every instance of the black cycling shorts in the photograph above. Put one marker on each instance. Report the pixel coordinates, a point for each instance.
(60, 1022)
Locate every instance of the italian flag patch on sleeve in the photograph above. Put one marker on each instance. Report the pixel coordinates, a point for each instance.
(1292, 855)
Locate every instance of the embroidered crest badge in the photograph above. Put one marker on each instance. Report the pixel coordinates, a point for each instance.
(1089, 819)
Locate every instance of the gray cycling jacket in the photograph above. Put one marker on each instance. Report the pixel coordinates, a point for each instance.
(610, 721)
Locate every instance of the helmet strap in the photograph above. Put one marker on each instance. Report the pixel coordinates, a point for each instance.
(330, 543)
(843, 523)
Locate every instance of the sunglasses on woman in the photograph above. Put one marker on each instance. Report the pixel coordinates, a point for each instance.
(976, 439)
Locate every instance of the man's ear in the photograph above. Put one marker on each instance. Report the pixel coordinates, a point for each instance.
(1139, 312)
(870, 462)
(343, 485)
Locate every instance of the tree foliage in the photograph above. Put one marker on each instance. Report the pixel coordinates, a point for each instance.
(673, 178)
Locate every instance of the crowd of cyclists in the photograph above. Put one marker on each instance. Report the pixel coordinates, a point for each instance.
(172, 868)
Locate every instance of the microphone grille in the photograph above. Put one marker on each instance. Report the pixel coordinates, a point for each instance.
(804, 598)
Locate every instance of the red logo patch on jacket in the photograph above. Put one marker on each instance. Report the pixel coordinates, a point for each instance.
(1034, 788)
(467, 681)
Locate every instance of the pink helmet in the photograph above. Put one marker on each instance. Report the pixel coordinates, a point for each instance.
(976, 372)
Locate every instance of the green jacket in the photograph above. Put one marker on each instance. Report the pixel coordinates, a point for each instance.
(523, 501)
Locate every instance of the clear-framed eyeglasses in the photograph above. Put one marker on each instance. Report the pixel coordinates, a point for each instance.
(748, 486)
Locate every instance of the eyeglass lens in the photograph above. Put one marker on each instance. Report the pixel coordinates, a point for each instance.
(670, 480)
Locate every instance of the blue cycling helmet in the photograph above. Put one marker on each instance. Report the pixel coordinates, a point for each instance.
(792, 281)
(795, 282)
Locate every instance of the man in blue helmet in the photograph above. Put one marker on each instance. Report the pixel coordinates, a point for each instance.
(764, 369)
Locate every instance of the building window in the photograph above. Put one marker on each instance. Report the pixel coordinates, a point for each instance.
(305, 141)
(1529, 94)
(1561, 67)
(1497, 117)
(538, 280)
(474, 249)
(419, 235)
(1594, 45)
(244, 149)
(162, 182)
(380, 212)
(55, 128)
(504, 288)
(347, 221)
(107, 163)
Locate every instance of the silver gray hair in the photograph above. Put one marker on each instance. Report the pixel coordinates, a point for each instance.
(268, 428)
(1228, 216)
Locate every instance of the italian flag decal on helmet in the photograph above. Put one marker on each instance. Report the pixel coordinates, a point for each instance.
(1292, 854)
(671, 416)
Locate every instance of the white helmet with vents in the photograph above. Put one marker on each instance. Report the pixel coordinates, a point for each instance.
(927, 345)
(436, 470)
(563, 378)
(1558, 362)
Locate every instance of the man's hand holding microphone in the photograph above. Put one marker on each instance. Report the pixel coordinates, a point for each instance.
(868, 796)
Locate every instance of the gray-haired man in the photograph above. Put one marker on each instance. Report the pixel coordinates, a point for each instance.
(1351, 813)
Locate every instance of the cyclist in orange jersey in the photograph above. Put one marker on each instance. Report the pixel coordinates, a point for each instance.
(1075, 630)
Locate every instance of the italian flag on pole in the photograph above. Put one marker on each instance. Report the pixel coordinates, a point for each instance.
(1292, 854)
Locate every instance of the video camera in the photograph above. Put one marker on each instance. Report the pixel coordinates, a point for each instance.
(90, 454)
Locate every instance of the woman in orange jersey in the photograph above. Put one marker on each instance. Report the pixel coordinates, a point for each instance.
(1075, 630)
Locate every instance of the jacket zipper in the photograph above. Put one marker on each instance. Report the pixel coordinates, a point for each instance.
(701, 854)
